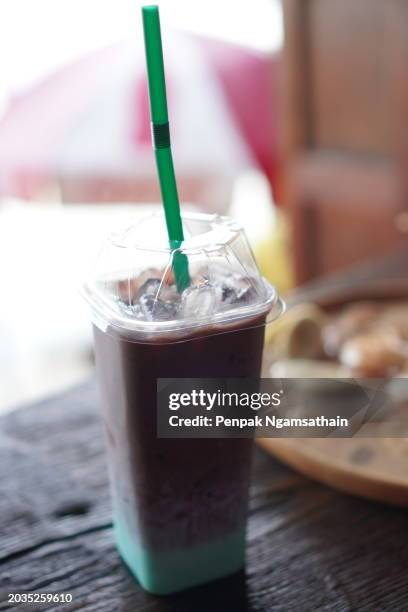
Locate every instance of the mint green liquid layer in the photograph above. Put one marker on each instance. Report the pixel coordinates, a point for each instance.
(163, 573)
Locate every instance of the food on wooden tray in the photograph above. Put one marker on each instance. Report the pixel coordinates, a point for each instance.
(353, 319)
(403, 373)
(395, 316)
(364, 339)
(374, 354)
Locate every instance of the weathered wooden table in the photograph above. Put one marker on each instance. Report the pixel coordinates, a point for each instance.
(309, 547)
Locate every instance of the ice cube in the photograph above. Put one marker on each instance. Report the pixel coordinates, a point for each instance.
(149, 287)
(245, 295)
(132, 310)
(157, 310)
(169, 293)
(200, 301)
(237, 290)
(158, 289)
(228, 293)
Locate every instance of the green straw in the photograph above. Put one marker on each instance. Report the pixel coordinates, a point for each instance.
(161, 141)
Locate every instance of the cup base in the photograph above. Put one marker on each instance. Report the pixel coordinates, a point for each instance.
(166, 572)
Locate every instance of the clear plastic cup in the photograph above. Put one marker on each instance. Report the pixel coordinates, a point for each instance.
(179, 505)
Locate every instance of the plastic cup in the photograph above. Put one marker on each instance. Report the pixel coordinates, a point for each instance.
(179, 505)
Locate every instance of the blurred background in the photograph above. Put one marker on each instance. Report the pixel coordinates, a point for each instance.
(288, 115)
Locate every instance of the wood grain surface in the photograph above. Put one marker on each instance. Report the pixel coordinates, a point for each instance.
(309, 547)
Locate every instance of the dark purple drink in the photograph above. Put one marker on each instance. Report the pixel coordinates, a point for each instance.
(179, 504)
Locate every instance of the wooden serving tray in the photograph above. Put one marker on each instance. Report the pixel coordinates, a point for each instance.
(376, 468)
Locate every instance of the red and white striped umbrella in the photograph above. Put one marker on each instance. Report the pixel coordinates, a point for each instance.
(86, 128)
